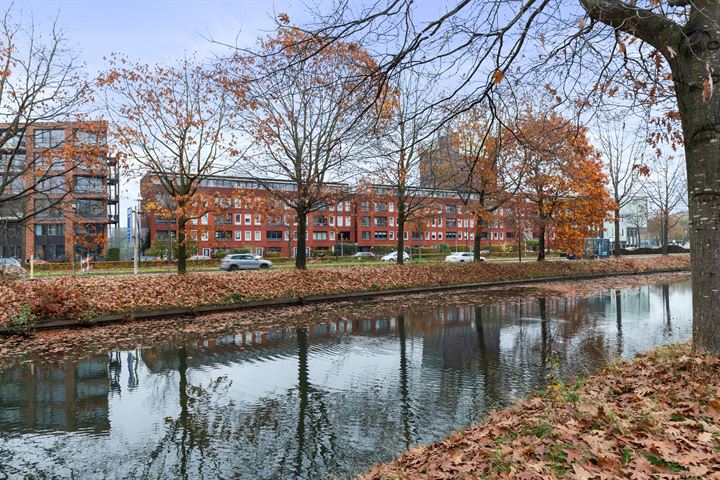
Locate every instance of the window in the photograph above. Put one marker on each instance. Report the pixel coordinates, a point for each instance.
(258, 220)
(366, 235)
(439, 235)
(88, 138)
(405, 235)
(248, 235)
(89, 185)
(53, 229)
(287, 235)
(87, 208)
(332, 236)
(472, 236)
(347, 221)
(347, 206)
(381, 207)
(238, 235)
(391, 206)
(451, 235)
(459, 208)
(381, 221)
(392, 221)
(320, 236)
(223, 235)
(49, 138)
(440, 222)
(365, 206)
(365, 221)
(204, 219)
(432, 222)
(381, 235)
(465, 223)
(427, 235)
(320, 222)
(225, 219)
(238, 219)
(417, 235)
(274, 235)
(248, 220)
(332, 221)
(450, 209)
(340, 222)
(204, 236)
(392, 235)
(258, 235)
(501, 235)
(451, 223)
(206, 252)
(465, 235)
(434, 236)
(509, 235)
(52, 185)
(472, 223)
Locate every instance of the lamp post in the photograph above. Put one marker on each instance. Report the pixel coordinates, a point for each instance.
(136, 235)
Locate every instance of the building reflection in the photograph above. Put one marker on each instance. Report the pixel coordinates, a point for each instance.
(66, 397)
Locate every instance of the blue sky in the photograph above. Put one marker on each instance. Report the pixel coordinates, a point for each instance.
(153, 31)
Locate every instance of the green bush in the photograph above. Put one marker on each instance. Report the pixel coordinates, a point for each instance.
(242, 250)
(23, 321)
(347, 249)
(113, 254)
(383, 249)
(218, 254)
(444, 248)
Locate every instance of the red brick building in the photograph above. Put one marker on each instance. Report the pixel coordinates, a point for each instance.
(79, 198)
(368, 220)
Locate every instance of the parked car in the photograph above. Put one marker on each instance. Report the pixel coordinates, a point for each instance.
(462, 257)
(392, 257)
(366, 255)
(243, 261)
(11, 268)
(199, 257)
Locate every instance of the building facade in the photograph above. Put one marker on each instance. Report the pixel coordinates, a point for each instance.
(73, 191)
(368, 220)
(633, 224)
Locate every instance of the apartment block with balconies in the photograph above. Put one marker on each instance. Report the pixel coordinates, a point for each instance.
(74, 185)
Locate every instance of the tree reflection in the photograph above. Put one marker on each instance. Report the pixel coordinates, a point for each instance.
(618, 322)
(405, 402)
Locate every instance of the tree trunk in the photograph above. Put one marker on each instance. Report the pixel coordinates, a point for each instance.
(616, 243)
(701, 131)
(476, 240)
(400, 237)
(541, 244)
(301, 257)
(665, 234)
(182, 247)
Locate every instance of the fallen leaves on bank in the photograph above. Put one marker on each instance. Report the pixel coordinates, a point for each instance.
(84, 298)
(655, 417)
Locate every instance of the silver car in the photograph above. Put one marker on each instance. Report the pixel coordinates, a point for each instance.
(243, 261)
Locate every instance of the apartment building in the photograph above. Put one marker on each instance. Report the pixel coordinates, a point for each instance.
(74, 191)
(368, 220)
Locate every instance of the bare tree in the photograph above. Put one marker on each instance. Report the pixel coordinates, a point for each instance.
(624, 156)
(583, 52)
(173, 123)
(41, 80)
(666, 188)
(401, 162)
(302, 119)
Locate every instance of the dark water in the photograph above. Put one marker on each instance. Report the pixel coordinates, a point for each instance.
(322, 402)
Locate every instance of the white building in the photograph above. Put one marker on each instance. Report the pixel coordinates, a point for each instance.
(633, 223)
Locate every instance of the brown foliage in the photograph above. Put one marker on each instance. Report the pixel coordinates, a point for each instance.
(655, 417)
(126, 293)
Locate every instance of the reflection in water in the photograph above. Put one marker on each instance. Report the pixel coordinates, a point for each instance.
(330, 399)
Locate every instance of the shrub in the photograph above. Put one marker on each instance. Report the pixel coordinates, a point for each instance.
(242, 250)
(444, 248)
(113, 254)
(23, 321)
(218, 254)
(346, 249)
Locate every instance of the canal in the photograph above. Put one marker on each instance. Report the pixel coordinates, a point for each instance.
(325, 401)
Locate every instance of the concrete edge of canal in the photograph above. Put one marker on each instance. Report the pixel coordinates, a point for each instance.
(175, 312)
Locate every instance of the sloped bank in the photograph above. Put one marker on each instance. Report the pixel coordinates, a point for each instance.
(81, 300)
(657, 416)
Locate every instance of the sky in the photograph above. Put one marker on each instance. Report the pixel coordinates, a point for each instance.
(153, 31)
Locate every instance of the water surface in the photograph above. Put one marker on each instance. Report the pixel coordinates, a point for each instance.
(321, 402)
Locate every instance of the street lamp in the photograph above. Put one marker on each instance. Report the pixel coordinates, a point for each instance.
(136, 234)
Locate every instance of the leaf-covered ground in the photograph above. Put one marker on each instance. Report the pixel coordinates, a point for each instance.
(72, 343)
(79, 297)
(657, 416)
